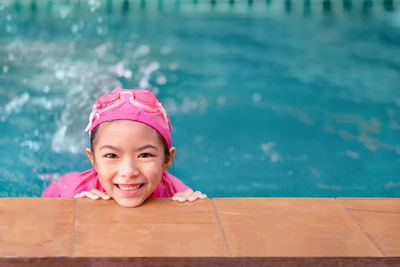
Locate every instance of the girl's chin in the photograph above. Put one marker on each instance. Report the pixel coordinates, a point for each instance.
(129, 202)
(129, 198)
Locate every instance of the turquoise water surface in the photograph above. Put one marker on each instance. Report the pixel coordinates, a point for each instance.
(269, 99)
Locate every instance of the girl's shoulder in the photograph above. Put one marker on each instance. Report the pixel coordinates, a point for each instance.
(169, 186)
(73, 183)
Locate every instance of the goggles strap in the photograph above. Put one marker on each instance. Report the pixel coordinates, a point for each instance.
(91, 118)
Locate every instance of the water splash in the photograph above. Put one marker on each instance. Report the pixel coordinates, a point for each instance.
(145, 72)
(87, 81)
(268, 149)
(16, 104)
(70, 135)
(352, 154)
(187, 105)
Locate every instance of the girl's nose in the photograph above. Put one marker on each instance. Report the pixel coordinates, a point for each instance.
(128, 168)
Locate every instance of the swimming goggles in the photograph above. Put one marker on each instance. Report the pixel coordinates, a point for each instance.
(142, 99)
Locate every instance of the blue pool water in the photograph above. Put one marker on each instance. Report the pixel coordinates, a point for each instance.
(264, 100)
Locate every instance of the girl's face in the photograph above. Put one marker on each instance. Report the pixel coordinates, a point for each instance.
(129, 159)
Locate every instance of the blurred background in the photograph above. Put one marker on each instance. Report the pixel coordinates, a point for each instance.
(282, 98)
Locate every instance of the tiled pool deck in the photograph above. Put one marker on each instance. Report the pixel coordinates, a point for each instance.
(220, 231)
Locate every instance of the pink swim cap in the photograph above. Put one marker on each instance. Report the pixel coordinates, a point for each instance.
(135, 105)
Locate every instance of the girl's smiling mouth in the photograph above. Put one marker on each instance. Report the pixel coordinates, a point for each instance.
(129, 189)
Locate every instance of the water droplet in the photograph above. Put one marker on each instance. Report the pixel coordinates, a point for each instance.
(60, 74)
(127, 74)
(165, 50)
(161, 80)
(100, 30)
(256, 97)
(74, 28)
(221, 100)
(11, 56)
(173, 66)
(352, 154)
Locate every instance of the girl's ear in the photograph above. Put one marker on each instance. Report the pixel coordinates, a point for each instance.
(168, 161)
(91, 157)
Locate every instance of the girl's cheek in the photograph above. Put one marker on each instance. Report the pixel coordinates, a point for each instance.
(105, 166)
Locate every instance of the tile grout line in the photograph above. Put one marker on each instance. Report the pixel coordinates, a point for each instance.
(220, 227)
(361, 228)
(74, 227)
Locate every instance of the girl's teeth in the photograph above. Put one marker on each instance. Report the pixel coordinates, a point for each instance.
(129, 187)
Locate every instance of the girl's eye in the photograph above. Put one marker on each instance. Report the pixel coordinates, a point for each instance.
(111, 156)
(145, 155)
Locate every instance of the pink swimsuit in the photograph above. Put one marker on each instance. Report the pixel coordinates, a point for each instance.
(73, 183)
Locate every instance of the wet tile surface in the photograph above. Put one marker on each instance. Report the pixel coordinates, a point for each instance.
(160, 227)
(291, 227)
(39, 227)
(380, 218)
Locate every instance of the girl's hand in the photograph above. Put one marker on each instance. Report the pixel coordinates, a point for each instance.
(93, 194)
(188, 195)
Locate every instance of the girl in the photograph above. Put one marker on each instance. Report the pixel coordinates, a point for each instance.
(130, 151)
